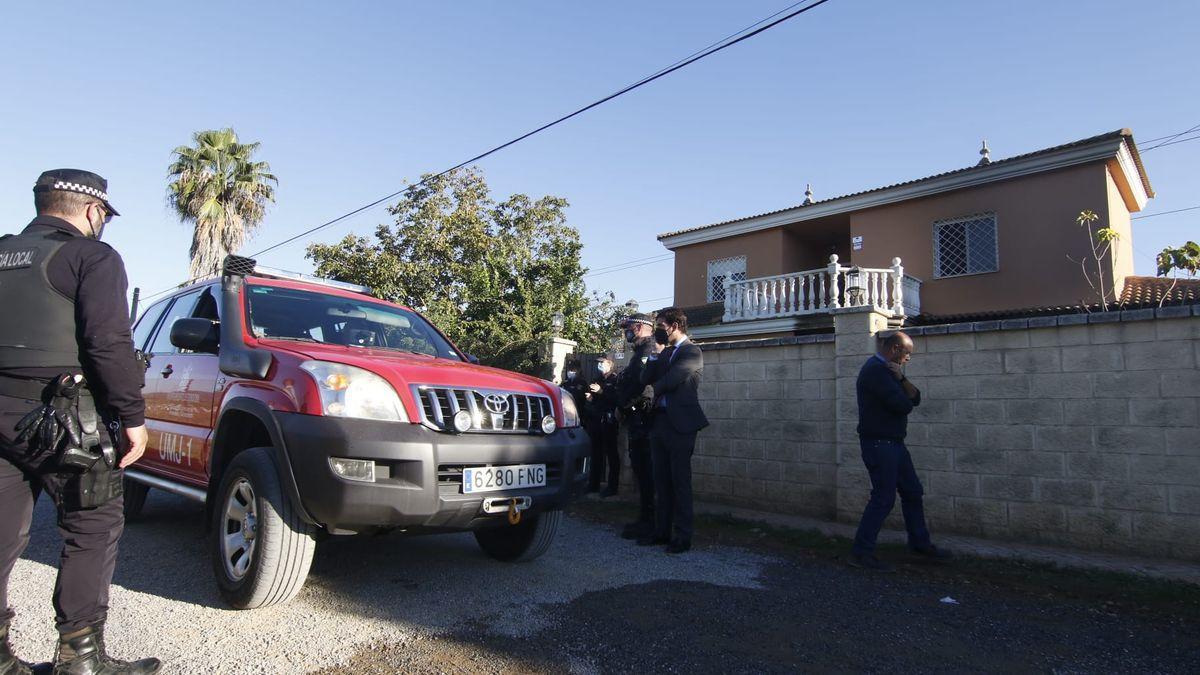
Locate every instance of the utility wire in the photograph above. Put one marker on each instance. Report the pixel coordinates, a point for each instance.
(1174, 136)
(627, 267)
(678, 65)
(640, 83)
(1160, 138)
(622, 264)
(1163, 213)
(1166, 143)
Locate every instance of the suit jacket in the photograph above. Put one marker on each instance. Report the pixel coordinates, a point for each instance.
(676, 375)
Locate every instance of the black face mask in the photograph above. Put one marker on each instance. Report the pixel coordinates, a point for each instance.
(660, 336)
(630, 337)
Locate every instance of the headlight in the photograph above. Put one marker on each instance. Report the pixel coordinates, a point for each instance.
(347, 391)
(570, 410)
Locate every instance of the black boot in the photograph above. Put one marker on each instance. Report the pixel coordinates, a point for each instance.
(9, 663)
(82, 653)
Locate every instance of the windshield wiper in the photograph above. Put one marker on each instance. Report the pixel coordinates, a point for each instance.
(290, 339)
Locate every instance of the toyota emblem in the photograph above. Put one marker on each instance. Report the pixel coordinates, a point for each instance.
(496, 404)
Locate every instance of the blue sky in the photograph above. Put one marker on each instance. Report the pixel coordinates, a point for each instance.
(351, 99)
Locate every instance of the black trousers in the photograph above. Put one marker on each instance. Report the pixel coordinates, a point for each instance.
(643, 473)
(90, 536)
(671, 453)
(605, 457)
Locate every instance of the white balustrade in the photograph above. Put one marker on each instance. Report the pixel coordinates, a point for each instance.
(821, 290)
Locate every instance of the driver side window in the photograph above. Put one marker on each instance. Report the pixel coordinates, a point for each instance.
(181, 308)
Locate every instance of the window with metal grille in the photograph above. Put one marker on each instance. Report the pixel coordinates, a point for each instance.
(733, 269)
(965, 246)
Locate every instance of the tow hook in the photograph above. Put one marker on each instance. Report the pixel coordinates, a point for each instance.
(513, 506)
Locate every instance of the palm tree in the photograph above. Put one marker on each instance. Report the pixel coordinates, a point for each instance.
(216, 185)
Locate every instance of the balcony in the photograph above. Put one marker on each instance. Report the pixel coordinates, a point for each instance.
(821, 290)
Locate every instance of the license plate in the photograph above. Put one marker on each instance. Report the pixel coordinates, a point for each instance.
(492, 478)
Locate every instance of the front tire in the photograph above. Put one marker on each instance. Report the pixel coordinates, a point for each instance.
(261, 548)
(523, 542)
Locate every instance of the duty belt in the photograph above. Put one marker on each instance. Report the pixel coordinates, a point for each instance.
(23, 387)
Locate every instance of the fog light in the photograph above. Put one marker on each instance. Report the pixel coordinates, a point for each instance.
(462, 421)
(548, 424)
(353, 469)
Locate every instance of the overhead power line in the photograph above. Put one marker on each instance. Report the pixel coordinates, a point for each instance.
(628, 267)
(729, 41)
(622, 264)
(1164, 213)
(724, 44)
(1166, 143)
(1161, 138)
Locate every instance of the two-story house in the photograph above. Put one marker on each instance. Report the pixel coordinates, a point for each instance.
(998, 236)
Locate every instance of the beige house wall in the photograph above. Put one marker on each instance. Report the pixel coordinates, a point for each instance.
(1119, 219)
(1040, 244)
(1036, 233)
(764, 251)
(1080, 431)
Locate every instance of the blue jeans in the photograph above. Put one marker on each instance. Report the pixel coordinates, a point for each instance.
(891, 469)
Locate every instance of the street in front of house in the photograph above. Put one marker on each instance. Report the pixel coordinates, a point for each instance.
(593, 603)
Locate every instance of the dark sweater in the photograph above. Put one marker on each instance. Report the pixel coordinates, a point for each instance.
(883, 406)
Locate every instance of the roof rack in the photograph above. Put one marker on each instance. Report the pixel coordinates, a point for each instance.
(270, 272)
(250, 267)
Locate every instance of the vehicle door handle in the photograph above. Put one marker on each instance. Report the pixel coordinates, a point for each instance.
(166, 372)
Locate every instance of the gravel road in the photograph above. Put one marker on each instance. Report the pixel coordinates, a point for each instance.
(593, 604)
(362, 592)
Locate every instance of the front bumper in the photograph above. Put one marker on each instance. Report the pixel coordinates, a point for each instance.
(415, 485)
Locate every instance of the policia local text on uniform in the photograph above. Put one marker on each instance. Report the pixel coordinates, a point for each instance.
(71, 409)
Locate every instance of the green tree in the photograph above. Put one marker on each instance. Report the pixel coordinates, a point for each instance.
(490, 274)
(1174, 261)
(218, 187)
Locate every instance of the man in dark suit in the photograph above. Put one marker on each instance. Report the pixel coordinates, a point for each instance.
(675, 376)
(885, 398)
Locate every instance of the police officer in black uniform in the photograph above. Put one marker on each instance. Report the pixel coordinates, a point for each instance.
(71, 409)
(602, 406)
(633, 401)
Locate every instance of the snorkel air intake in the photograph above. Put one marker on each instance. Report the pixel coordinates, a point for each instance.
(236, 359)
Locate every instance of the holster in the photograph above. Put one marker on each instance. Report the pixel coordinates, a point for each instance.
(93, 476)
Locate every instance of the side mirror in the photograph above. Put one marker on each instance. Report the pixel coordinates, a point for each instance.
(473, 359)
(198, 335)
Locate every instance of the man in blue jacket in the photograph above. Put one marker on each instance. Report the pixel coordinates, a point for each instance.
(885, 398)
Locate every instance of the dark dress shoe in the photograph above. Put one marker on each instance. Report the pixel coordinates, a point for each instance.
(933, 553)
(679, 547)
(869, 562)
(651, 540)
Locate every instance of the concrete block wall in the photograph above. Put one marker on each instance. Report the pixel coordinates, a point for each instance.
(1078, 430)
(1081, 433)
(772, 436)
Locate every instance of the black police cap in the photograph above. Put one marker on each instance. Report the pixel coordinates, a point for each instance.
(75, 180)
(638, 318)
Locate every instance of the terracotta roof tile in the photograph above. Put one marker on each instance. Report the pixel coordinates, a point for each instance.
(1121, 133)
(1152, 290)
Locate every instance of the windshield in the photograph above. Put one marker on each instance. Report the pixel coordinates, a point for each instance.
(289, 314)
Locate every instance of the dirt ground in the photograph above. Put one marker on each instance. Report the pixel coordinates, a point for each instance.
(811, 611)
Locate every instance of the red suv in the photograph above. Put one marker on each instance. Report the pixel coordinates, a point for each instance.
(296, 407)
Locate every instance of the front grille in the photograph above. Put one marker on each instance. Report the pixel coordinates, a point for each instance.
(519, 413)
(450, 476)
